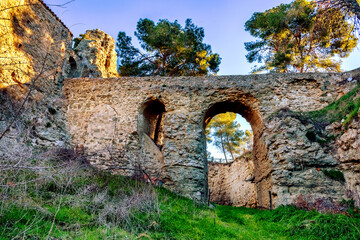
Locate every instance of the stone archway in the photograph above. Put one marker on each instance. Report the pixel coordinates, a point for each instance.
(259, 167)
(288, 172)
(150, 129)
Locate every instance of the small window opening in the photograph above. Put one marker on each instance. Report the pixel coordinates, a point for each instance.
(73, 65)
(153, 121)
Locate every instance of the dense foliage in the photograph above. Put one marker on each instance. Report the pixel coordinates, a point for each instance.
(303, 36)
(349, 7)
(168, 50)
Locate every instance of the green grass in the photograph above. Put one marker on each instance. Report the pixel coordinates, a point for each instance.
(313, 225)
(90, 207)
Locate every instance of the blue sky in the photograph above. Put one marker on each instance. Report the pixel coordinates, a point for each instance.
(222, 20)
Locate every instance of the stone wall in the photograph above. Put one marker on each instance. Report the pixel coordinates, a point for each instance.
(33, 45)
(233, 183)
(33, 41)
(298, 162)
(348, 155)
(156, 124)
(93, 56)
(108, 114)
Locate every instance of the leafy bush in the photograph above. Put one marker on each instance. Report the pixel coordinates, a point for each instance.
(334, 174)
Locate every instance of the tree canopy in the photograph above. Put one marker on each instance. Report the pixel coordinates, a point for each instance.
(302, 36)
(349, 7)
(225, 133)
(168, 49)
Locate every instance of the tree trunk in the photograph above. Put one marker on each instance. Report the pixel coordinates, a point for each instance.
(223, 148)
(228, 143)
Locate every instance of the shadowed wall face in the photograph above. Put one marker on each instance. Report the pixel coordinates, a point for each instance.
(232, 183)
(160, 126)
(153, 121)
(33, 46)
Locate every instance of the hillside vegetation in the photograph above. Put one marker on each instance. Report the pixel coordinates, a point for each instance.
(64, 198)
(344, 109)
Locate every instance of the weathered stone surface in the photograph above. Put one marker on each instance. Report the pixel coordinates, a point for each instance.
(232, 183)
(346, 149)
(33, 46)
(348, 154)
(157, 124)
(285, 159)
(349, 143)
(33, 41)
(94, 56)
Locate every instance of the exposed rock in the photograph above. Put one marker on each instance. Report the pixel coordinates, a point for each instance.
(291, 146)
(287, 152)
(349, 143)
(348, 153)
(33, 45)
(93, 56)
(298, 160)
(233, 183)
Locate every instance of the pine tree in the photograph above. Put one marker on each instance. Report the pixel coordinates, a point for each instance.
(303, 36)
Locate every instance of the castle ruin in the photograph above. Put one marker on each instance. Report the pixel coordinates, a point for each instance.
(158, 123)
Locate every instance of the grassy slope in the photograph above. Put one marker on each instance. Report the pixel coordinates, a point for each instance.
(100, 206)
(345, 108)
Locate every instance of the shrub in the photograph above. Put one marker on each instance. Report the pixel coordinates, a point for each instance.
(335, 175)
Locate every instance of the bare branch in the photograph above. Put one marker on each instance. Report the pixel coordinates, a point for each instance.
(17, 114)
(61, 5)
(24, 183)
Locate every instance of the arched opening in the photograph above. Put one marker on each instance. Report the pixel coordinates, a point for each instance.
(228, 136)
(73, 66)
(150, 130)
(245, 180)
(152, 124)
